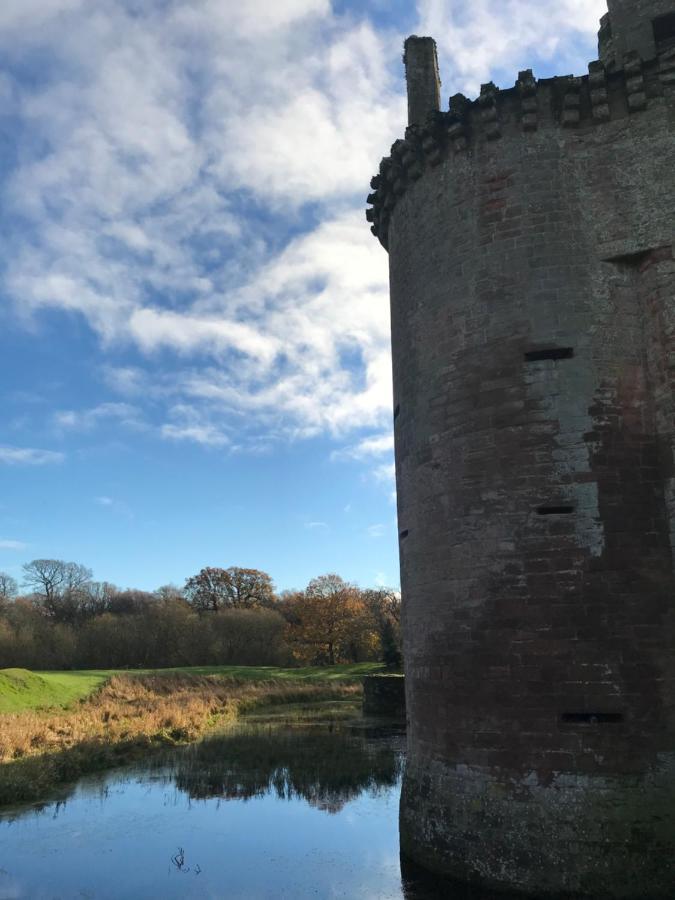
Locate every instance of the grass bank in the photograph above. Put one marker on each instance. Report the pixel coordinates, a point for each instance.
(128, 715)
(23, 690)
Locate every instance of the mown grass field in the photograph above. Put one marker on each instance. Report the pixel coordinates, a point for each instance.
(23, 690)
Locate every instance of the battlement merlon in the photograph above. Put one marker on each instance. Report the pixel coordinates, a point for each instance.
(422, 78)
(645, 27)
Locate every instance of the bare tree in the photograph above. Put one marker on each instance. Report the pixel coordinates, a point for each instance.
(97, 597)
(9, 587)
(168, 593)
(384, 605)
(60, 586)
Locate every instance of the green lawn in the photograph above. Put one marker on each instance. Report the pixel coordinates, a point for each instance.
(21, 689)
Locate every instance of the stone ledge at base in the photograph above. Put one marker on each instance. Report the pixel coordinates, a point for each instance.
(571, 836)
(384, 695)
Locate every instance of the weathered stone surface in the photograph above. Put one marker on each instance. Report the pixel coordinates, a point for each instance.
(424, 83)
(533, 334)
(629, 28)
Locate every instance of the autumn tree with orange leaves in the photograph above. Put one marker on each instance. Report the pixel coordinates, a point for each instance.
(329, 623)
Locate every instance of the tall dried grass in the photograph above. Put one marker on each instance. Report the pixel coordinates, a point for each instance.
(128, 715)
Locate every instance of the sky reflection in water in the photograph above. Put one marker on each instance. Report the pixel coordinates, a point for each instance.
(268, 812)
(262, 812)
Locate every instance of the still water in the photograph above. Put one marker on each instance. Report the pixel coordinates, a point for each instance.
(269, 809)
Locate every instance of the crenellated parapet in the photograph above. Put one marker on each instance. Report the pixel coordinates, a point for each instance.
(568, 103)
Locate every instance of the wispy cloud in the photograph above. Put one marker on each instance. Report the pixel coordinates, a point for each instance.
(385, 473)
(317, 526)
(87, 419)
(133, 211)
(29, 456)
(116, 506)
(190, 424)
(492, 39)
(207, 435)
(12, 545)
(376, 531)
(371, 446)
(190, 181)
(376, 450)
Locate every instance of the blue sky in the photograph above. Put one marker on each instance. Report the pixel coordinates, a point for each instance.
(194, 332)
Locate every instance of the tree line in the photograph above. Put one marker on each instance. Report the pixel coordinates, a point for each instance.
(64, 619)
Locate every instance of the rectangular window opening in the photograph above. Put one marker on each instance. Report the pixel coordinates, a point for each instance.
(664, 31)
(549, 353)
(397, 412)
(592, 718)
(561, 510)
(404, 534)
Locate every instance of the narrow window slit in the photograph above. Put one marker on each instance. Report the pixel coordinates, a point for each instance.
(554, 510)
(592, 718)
(404, 534)
(664, 31)
(549, 353)
(397, 412)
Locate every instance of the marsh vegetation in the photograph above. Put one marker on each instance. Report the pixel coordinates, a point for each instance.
(133, 714)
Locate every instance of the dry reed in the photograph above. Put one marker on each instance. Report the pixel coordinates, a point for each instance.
(129, 715)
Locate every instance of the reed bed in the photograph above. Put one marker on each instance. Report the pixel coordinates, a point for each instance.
(128, 716)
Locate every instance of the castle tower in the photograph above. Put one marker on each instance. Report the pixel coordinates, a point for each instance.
(530, 236)
(645, 27)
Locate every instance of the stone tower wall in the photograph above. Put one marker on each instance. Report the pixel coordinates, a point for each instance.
(530, 236)
(629, 27)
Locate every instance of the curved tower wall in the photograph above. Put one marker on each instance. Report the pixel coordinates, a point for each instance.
(530, 236)
(635, 26)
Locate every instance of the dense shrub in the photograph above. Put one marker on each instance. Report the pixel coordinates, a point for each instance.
(93, 625)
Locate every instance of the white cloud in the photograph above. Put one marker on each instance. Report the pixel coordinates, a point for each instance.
(317, 526)
(190, 182)
(371, 446)
(126, 380)
(86, 419)
(116, 506)
(12, 545)
(316, 130)
(190, 425)
(373, 449)
(376, 531)
(32, 14)
(386, 472)
(29, 456)
(153, 328)
(380, 580)
(163, 117)
(198, 434)
(494, 39)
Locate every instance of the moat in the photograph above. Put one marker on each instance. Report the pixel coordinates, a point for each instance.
(272, 808)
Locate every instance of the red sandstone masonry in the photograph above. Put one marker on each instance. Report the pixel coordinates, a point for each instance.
(538, 495)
